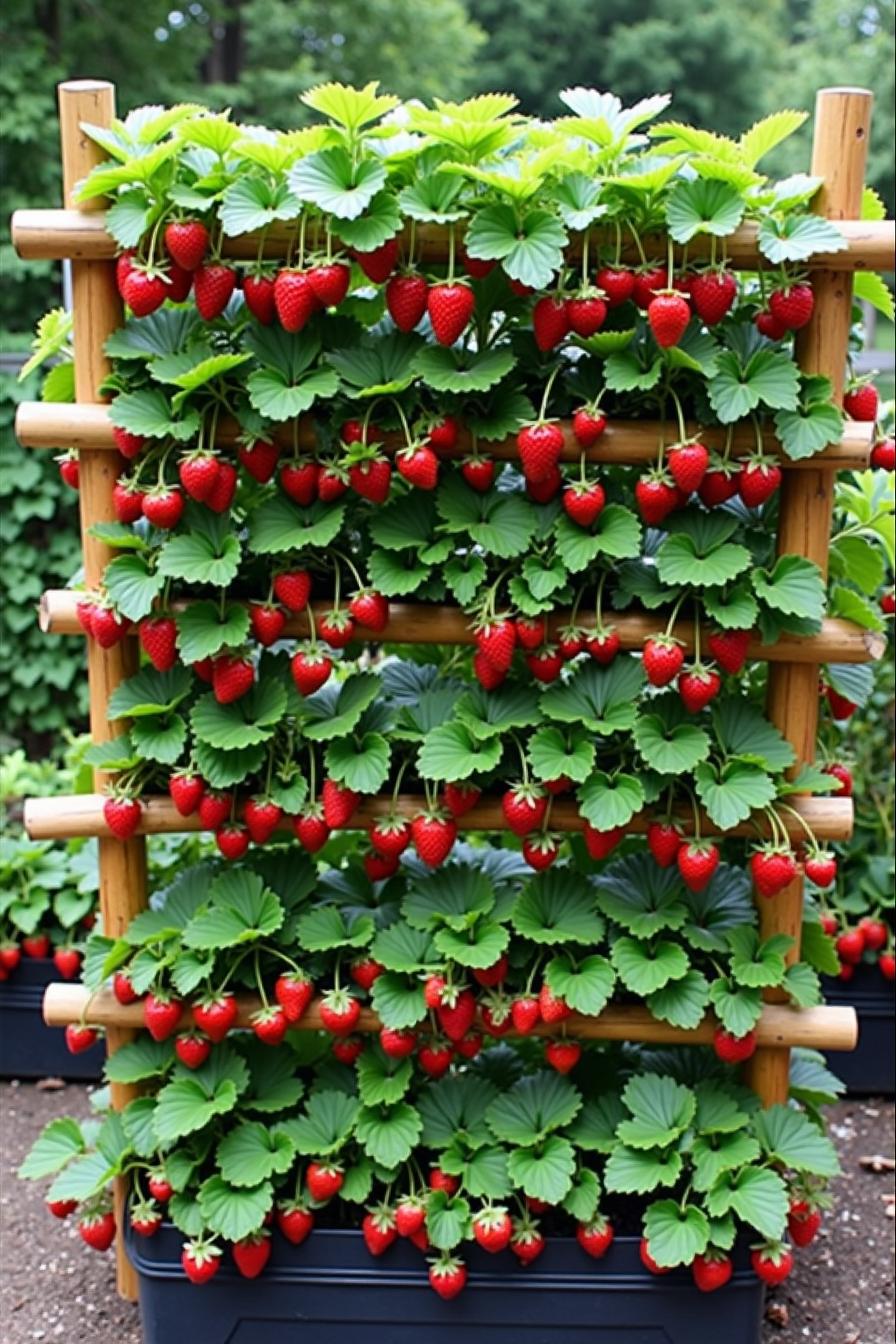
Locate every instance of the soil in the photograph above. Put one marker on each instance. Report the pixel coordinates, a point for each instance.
(53, 1288)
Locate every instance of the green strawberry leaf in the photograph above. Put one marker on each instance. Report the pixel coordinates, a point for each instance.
(446, 369)
(360, 763)
(133, 585)
(554, 753)
(203, 629)
(682, 1003)
(252, 719)
(501, 524)
(251, 1153)
(630, 1171)
(809, 429)
(451, 752)
(381, 1078)
(642, 897)
(333, 181)
(148, 412)
(587, 986)
(447, 1219)
(600, 699)
(703, 205)
(532, 1108)
(731, 792)
(150, 692)
(529, 244)
(714, 1154)
(790, 1138)
(676, 1233)
(738, 1009)
(558, 906)
(758, 1197)
(388, 1133)
(240, 909)
(644, 967)
(791, 237)
(546, 1171)
(160, 738)
(231, 1212)
(455, 896)
(610, 800)
(616, 533)
(326, 1124)
(399, 1003)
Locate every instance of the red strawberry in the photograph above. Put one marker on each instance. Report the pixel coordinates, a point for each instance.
(792, 307)
(617, 283)
(410, 1215)
(293, 299)
(267, 622)
(69, 471)
(772, 868)
(406, 297)
(311, 830)
(450, 307)
(163, 506)
(600, 843)
(757, 481)
(391, 836)
(768, 326)
(663, 659)
(11, 955)
(540, 851)
(339, 1012)
(339, 803)
(875, 933)
(850, 946)
(203, 670)
(883, 455)
(310, 669)
(192, 1050)
(158, 637)
(433, 988)
(841, 707)
(79, 1038)
(259, 458)
(179, 283)
(232, 677)
(729, 649)
(713, 294)
(525, 1014)
(697, 861)
(668, 315)
(648, 1261)
(127, 502)
(496, 641)
(252, 1254)
(711, 1271)
(586, 313)
(434, 835)
(596, 1237)
(550, 321)
(489, 976)
(161, 1016)
(733, 1049)
(829, 923)
(456, 1013)
(186, 242)
(97, 1230)
(588, 425)
(212, 288)
(843, 776)
(477, 267)
(772, 1264)
(224, 488)
(531, 632)
(545, 664)
(200, 1262)
(544, 490)
(478, 472)
(584, 502)
(294, 1221)
(122, 816)
(493, 1229)
(67, 962)
(887, 965)
(329, 283)
(270, 1025)
(487, 674)
(646, 285)
(332, 482)
(379, 867)
(571, 640)
(186, 789)
(61, 1208)
(371, 479)
(379, 263)
(443, 435)
(697, 686)
(687, 463)
(803, 1222)
(459, 798)
(294, 993)
(107, 627)
(398, 1043)
(527, 1242)
(540, 446)
(604, 645)
(160, 1188)
(718, 485)
(524, 807)
(379, 1231)
(448, 1276)
(298, 479)
(337, 628)
(365, 972)
(214, 809)
(562, 1055)
(664, 841)
(124, 264)
(258, 291)
(292, 589)
(655, 497)
(232, 840)
(215, 1015)
(419, 466)
(144, 291)
(262, 817)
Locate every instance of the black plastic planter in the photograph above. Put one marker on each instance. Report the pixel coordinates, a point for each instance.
(330, 1290)
(29, 1048)
(870, 1069)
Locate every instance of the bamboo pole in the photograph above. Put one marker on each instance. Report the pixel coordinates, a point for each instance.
(839, 153)
(418, 623)
(829, 1028)
(81, 814)
(634, 442)
(97, 312)
(48, 235)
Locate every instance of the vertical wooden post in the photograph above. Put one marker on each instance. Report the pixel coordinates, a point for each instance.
(839, 154)
(97, 311)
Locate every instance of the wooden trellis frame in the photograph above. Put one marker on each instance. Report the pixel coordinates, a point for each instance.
(79, 234)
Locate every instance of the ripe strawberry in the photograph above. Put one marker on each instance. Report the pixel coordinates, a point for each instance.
(410, 1215)
(861, 402)
(61, 1208)
(378, 1230)
(159, 1187)
(850, 946)
(768, 326)
(493, 1229)
(601, 843)
(664, 841)
(293, 992)
(527, 1243)
(214, 809)
(122, 816)
(406, 297)
(442, 1180)
(262, 817)
(546, 663)
(434, 835)
(478, 472)
(370, 609)
(448, 1276)
(390, 836)
(339, 1012)
(329, 283)
(729, 649)
(552, 1008)
(456, 1012)
(298, 479)
(268, 622)
(648, 1261)
(200, 1261)
(203, 670)
(294, 299)
(450, 307)
(191, 1050)
(186, 242)
(179, 283)
(544, 490)
(252, 1254)
(540, 446)
(772, 1263)
(571, 640)
(663, 659)
(107, 627)
(524, 807)
(443, 435)
(771, 869)
(586, 313)
(487, 674)
(365, 972)
(67, 962)
(887, 965)
(550, 321)
(311, 830)
(875, 933)
(161, 1016)
(310, 668)
(433, 988)
(687, 463)
(584, 502)
(212, 288)
(232, 840)
(477, 267)
(127, 502)
(69, 470)
(713, 294)
(883, 455)
(339, 804)
(270, 1025)
(419, 466)
(733, 1049)
(488, 976)
(792, 307)
(562, 1055)
(292, 589)
(843, 776)
(496, 641)
(434, 1058)
(888, 604)
(144, 291)
(525, 1014)
(821, 869)
(459, 798)
(332, 482)
(259, 458)
(697, 687)
(79, 1038)
(668, 315)
(540, 851)
(711, 1271)
(803, 1223)
(163, 506)
(398, 1043)
(215, 1015)
(158, 638)
(655, 497)
(258, 291)
(719, 484)
(198, 473)
(97, 1230)
(757, 481)
(124, 264)
(11, 955)
(379, 867)
(588, 425)
(596, 1237)
(371, 479)
(617, 283)
(531, 632)
(841, 707)
(829, 923)
(379, 263)
(295, 1221)
(697, 861)
(647, 285)
(232, 677)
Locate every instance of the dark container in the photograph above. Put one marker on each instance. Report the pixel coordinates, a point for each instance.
(330, 1290)
(28, 1047)
(870, 1069)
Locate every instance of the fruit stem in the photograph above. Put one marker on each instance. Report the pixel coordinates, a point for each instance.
(807, 829)
(598, 601)
(340, 555)
(670, 261)
(679, 413)
(524, 766)
(546, 393)
(398, 778)
(638, 245)
(674, 616)
(412, 244)
(259, 254)
(312, 775)
(450, 276)
(256, 971)
(585, 241)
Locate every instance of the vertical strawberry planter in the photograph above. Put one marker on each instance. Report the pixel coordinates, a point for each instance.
(439, 489)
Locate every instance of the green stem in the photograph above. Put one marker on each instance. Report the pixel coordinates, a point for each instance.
(547, 392)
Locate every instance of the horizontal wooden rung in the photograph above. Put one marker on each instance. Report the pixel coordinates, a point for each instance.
(69, 816)
(419, 623)
(831, 1028)
(52, 425)
(51, 235)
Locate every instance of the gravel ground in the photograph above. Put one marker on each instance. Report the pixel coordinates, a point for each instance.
(53, 1288)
